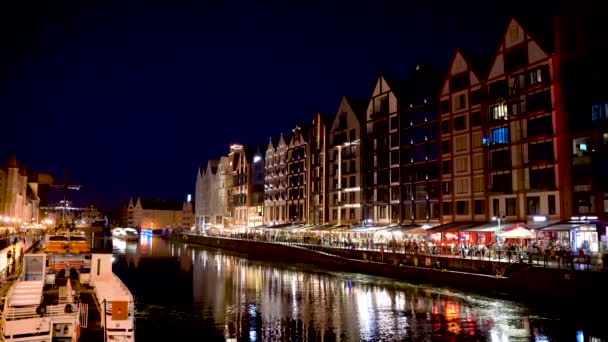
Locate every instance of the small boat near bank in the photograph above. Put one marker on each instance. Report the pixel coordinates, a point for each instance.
(68, 297)
(127, 234)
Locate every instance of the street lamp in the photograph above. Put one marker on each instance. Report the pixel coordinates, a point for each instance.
(497, 218)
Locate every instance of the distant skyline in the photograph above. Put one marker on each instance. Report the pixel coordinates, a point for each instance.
(131, 98)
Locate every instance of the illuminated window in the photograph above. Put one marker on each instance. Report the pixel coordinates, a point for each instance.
(499, 135)
(499, 112)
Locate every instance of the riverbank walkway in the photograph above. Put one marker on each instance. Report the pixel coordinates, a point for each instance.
(575, 263)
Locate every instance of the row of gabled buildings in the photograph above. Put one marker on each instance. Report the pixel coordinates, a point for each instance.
(19, 194)
(521, 137)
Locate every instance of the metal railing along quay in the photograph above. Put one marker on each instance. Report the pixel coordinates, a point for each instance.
(547, 259)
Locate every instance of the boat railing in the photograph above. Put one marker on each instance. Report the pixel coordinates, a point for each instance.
(16, 313)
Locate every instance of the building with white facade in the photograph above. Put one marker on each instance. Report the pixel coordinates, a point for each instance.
(19, 202)
(275, 183)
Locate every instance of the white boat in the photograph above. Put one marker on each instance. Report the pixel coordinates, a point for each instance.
(61, 297)
(128, 234)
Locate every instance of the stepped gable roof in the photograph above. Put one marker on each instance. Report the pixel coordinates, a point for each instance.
(358, 106)
(161, 204)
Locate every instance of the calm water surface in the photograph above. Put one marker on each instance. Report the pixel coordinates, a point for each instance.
(188, 293)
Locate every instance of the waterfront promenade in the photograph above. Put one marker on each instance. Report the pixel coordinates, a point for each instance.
(488, 275)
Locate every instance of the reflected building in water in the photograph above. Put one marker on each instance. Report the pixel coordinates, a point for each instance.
(254, 299)
(208, 293)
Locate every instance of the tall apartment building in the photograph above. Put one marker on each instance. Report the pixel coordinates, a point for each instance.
(275, 183)
(205, 196)
(255, 186)
(238, 192)
(463, 180)
(297, 211)
(525, 135)
(344, 166)
(381, 119)
(210, 205)
(416, 145)
(316, 190)
(580, 44)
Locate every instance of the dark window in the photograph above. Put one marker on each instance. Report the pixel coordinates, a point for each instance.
(432, 132)
(496, 207)
(516, 59)
(420, 153)
(497, 90)
(459, 82)
(419, 135)
(540, 126)
(502, 183)
(394, 139)
(460, 123)
(419, 116)
(433, 152)
(446, 167)
(476, 119)
(551, 200)
(445, 146)
(342, 121)
(432, 170)
(353, 135)
(395, 122)
(395, 175)
(478, 207)
(542, 179)
(352, 167)
(538, 101)
(447, 208)
(541, 152)
(433, 190)
(475, 97)
(462, 207)
(501, 160)
(445, 126)
(533, 205)
(511, 206)
(395, 157)
(444, 107)
(462, 101)
(431, 114)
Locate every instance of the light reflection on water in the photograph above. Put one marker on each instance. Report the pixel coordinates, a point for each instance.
(238, 299)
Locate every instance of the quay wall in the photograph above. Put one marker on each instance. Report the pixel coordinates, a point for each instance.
(526, 281)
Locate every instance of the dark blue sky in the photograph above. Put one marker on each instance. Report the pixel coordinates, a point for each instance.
(131, 98)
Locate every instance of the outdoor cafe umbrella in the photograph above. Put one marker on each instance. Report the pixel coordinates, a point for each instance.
(518, 233)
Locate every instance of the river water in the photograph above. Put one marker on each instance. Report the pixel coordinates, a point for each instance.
(189, 293)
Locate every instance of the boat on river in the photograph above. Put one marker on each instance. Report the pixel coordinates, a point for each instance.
(64, 296)
(127, 234)
(65, 241)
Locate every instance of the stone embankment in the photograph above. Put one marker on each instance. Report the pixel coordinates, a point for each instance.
(520, 280)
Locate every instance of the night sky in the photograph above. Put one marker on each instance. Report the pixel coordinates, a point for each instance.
(130, 98)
